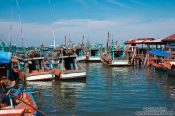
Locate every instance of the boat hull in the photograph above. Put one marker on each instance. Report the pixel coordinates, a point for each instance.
(73, 75)
(40, 77)
(171, 72)
(120, 63)
(162, 69)
(94, 59)
(22, 107)
(81, 58)
(116, 63)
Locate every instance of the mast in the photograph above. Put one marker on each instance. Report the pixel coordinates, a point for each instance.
(83, 40)
(65, 41)
(108, 41)
(19, 16)
(10, 32)
(54, 43)
(53, 28)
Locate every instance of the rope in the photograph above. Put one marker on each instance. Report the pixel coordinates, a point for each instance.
(44, 114)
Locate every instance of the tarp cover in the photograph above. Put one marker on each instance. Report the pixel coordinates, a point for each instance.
(5, 57)
(159, 53)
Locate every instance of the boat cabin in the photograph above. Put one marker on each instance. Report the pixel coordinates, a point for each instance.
(68, 63)
(36, 64)
(79, 52)
(94, 52)
(116, 54)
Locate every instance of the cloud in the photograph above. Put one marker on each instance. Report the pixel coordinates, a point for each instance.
(93, 30)
(118, 3)
(83, 3)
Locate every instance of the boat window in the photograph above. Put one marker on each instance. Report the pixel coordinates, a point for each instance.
(115, 54)
(94, 52)
(31, 66)
(69, 63)
(79, 52)
(37, 63)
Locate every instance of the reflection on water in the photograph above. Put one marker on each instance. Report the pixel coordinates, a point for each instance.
(107, 90)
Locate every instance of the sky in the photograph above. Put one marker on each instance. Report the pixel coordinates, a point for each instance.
(93, 19)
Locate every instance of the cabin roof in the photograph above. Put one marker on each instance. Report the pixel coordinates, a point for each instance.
(138, 40)
(169, 38)
(117, 50)
(156, 41)
(158, 52)
(71, 56)
(35, 58)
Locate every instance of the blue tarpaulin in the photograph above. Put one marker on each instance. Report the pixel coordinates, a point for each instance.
(159, 53)
(5, 57)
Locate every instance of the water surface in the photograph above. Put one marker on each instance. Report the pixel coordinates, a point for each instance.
(108, 91)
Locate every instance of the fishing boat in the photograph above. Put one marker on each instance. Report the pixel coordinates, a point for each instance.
(158, 59)
(18, 102)
(13, 99)
(68, 67)
(94, 53)
(79, 51)
(115, 57)
(38, 68)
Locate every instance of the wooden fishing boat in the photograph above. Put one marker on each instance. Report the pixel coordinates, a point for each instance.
(38, 69)
(70, 69)
(94, 53)
(18, 102)
(159, 61)
(14, 101)
(115, 58)
(160, 66)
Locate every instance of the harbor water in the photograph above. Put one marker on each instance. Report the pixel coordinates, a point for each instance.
(108, 91)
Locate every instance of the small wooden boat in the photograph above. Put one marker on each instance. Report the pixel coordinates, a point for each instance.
(18, 102)
(14, 100)
(159, 60)
(38, 69)
(70, 69)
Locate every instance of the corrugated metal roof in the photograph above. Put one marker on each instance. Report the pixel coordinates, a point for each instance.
(169, 38)
(138, 40)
